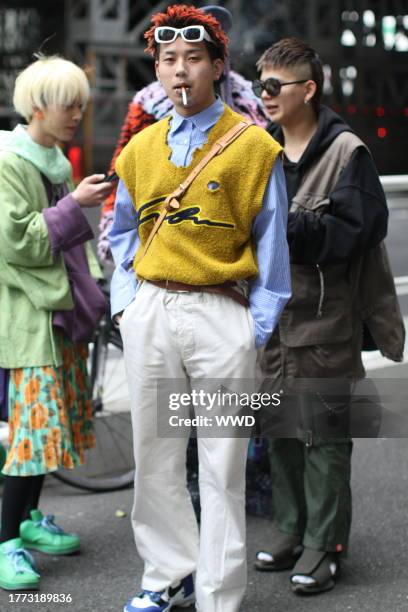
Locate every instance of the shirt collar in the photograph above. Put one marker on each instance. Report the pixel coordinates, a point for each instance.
(203, 120)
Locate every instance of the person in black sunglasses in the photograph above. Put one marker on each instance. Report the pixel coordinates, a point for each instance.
(341, 284)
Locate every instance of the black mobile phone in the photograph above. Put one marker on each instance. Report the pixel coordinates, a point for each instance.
(110, 178)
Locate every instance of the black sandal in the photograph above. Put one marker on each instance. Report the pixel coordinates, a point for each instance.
(322, 566)
(285, 551)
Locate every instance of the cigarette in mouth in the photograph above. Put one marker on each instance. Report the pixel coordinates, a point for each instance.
(184, 96)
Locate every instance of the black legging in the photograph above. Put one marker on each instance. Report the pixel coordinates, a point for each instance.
(20, 495)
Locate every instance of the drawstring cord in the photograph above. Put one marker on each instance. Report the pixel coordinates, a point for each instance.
(319, 313)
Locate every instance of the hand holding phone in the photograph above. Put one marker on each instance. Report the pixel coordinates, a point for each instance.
(92, 190)
(110, 178)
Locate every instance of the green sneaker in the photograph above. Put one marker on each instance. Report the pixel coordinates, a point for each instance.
(41, 533)
(17, 567)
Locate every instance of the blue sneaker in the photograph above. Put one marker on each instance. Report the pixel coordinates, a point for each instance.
(181, 595)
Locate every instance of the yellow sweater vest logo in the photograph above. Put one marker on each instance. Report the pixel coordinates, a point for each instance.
(208, 240)
(193, 214)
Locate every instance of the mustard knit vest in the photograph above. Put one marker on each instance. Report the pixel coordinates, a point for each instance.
(208, 239)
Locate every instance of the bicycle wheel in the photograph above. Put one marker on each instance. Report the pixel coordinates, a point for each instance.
(110, 465)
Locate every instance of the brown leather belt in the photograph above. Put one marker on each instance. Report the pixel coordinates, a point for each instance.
(222, 289)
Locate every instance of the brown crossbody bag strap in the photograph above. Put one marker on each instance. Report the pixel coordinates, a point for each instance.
(172, 200)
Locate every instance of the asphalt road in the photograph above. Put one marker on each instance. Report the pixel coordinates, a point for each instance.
(108, 570)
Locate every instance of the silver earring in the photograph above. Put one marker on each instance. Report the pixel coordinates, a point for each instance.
(306, 101)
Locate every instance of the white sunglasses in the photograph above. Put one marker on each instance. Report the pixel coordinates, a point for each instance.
(167, 34)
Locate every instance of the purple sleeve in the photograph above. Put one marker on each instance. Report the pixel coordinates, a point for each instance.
(4, 381)
(67, 225)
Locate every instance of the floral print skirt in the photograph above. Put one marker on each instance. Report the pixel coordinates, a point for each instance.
(50, 415)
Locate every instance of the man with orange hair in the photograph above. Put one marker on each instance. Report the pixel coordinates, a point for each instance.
(152, 104)
(205, 289)
(149, 105)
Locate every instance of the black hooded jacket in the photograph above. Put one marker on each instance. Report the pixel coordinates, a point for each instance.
(357, 216)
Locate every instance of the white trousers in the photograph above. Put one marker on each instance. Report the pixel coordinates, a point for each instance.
(169, 335)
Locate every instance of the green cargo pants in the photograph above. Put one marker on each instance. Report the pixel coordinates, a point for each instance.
(311, 492)
(309, 440)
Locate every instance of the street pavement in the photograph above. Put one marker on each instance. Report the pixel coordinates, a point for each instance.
(107, 571)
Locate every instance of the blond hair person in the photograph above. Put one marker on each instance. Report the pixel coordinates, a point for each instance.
(51, 303)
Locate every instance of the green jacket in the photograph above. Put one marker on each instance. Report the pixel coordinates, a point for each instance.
(32, 283)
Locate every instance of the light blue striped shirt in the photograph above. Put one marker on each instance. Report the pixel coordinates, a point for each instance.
(270, 291)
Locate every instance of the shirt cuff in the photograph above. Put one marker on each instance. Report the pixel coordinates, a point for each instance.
(266, 308)
(122, 289)
(67, 225)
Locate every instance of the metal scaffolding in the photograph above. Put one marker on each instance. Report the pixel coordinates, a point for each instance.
(362, 73)
(108, 34)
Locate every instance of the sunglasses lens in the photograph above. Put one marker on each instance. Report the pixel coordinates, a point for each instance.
(166, 35)
(272, 87)
(257, 88)
(192, 34)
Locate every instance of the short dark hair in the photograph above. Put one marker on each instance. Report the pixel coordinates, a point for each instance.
(294, 53)
(180, 16)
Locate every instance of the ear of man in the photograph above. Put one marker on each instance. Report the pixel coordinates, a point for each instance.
(310, 87)
(38, 113)
(218, 67)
